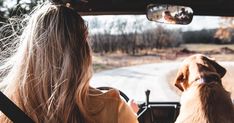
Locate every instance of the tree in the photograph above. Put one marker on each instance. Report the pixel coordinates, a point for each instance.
(2, 12)
(225, 34)
(227, 22)
(20, 8)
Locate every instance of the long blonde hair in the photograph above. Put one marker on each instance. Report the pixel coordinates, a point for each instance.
(51, 69)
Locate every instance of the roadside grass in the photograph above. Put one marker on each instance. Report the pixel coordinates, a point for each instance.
(205, 47)
(109, 61)
(112, 61)
(218, 52)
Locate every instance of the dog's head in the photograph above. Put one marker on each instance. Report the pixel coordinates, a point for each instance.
(197, 67)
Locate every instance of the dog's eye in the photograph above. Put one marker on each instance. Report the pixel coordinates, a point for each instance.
(181, 78)
(215, 77)
(205, 68)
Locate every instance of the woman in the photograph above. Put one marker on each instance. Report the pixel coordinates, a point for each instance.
(51, 69)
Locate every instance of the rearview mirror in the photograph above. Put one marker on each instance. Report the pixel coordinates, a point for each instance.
(170, 14)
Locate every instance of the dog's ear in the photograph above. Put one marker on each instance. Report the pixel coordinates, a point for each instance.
(181, 78)
(220, 70)
(178, 81)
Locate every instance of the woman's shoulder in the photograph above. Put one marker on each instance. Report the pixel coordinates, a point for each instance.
(99, 101)
(109, 102)
(107, 94)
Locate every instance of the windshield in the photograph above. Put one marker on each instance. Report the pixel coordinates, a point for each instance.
(133, 54)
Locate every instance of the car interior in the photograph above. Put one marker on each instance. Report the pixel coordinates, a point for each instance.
(150, 111)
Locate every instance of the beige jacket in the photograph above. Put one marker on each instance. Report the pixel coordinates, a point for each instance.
(108, 107)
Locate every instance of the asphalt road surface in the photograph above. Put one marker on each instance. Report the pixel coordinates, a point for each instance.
(135, 80)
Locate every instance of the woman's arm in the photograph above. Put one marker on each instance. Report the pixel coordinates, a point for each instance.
(125, 113)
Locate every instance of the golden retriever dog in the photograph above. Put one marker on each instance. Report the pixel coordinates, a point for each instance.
(203, 100)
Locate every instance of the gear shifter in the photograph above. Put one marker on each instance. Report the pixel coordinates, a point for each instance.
(147, 93)
(145, 106)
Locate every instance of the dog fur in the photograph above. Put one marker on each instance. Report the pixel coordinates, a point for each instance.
(203, 101)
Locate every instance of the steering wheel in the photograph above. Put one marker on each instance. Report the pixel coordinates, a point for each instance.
(125, 97)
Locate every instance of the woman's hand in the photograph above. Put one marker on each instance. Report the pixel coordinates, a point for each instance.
(133, 105)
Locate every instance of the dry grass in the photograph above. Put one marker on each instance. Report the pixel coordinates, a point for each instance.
(205, 47)
(115, 60)
(111, 61)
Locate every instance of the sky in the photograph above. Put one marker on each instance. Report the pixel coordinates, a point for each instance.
(106, 23)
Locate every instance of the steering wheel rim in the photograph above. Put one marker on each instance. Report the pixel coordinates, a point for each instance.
(125, 97)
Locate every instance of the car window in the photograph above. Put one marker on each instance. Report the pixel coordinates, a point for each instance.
(134, 55)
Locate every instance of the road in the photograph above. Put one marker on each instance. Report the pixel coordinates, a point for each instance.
(135, 80)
